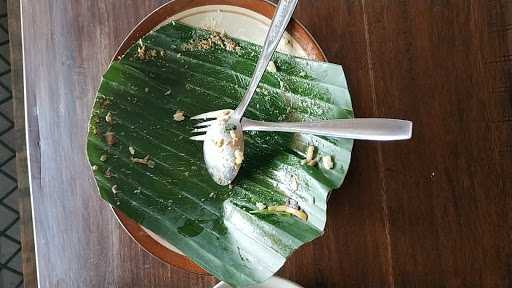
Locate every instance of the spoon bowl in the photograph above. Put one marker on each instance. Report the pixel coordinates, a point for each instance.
(223, 150)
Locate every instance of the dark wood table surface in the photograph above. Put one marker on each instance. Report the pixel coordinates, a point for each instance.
(435, 211)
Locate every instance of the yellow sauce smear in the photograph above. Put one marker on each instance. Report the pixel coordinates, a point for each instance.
(297, 213)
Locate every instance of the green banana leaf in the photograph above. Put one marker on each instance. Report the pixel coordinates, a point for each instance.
(222, 229)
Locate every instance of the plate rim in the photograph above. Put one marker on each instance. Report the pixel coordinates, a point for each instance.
(263, 7)
(274, 278)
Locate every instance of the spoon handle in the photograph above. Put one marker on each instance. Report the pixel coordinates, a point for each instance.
(377, 129)
(281, 19)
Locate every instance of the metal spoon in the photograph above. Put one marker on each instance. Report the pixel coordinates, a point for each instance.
(223, 142)
(221, 167)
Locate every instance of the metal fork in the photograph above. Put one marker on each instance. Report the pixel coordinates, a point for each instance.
(377, 129)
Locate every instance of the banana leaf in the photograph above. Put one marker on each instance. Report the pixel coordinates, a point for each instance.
(146, 166)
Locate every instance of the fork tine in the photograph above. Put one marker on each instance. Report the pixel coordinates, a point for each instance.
(205, 116)
(200, 130)
(212, 114)
(198, 138)
(205, 124)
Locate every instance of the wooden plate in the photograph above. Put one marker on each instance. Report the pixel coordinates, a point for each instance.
(243, 19)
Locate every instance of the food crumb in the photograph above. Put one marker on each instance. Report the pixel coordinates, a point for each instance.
(103, 158)
(230, 186)
(234, 137)
(216, 39)
(108, 173)
(146, 90)
(114, 189)
(145, 161)
(327, 162)
(212, 195)
(141, 52)
(110, 138)
(179, 116)
(310, 153)
(168, 92)
(132, 150)
(239, 157)
(271, 67)
(225, 115)
(108, 118)
(219, 143)
(260, 206)
(231, 45)
(94, 168)
(312, 163)
(232, 133)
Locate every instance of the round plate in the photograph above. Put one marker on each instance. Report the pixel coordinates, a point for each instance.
(274, 282)
(243, 19)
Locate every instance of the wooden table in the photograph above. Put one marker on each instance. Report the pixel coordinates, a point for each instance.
(432, 212)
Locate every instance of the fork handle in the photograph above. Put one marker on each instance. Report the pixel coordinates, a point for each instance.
(281, 19)
(377, 129)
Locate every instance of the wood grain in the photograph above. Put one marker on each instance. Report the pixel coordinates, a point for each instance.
(28, 261)
(431, 212)
(446, 193)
